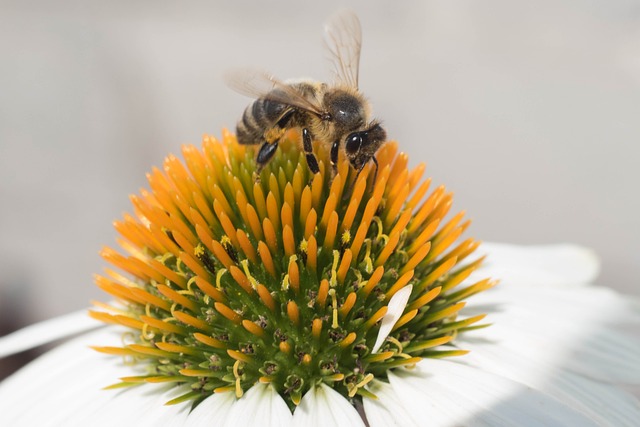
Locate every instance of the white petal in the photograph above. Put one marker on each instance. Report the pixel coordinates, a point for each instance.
(580, 329)
(260, 405)
(47, 331)
(446, 393)
(212, 411)
(387, 409)
(63, 387)
(561, 264)
(395, 309)
(322, 406)
(608, 405)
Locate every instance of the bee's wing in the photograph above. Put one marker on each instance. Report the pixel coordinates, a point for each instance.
(260, 84)
(343, 39)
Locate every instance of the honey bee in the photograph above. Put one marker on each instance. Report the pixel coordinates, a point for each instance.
(335, 115)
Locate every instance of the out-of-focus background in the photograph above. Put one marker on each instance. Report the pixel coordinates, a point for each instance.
(528, 111)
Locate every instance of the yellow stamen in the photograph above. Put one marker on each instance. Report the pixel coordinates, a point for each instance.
(429, 344)
(270, 235)
(236, 374)
(444, 313)
(175, 296)
(334, 308)
(150, 351)
(400, 283)
(305, 205)
(310, 224)
(191, 321)
(293, 312)
(348, 340)
(227, 312)
(294, 274)
(426, 208)
(406, 318)
(425, 299)
(436, 274)
(333, 279)
(259, 201)
(348, 304)
(284, 347)
(316, 190)
(163, 325)
(274, 188)
(373, 281)
(265, 256)
(247, 248)
(375, 318)
(312, 253)
(396, 204)
(316, 328)
(289, 198)
(286, 214)
(332, 228)
(416, 259)
(253, 328)
(388, 249)
(221, 254)
(254, 223)
(323, 292)
(174, 348)
(273, 211)
(345, 263)
(288, 241)
(241, 279)
(366, 380)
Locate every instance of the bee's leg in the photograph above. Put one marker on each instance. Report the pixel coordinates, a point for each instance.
(266, 152)
(334, 157)
(312, 162)
(375, 172)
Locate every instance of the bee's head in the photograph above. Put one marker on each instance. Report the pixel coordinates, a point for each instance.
(361, 146)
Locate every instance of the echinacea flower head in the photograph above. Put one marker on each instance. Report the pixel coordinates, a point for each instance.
(284, 298)
(228, 278)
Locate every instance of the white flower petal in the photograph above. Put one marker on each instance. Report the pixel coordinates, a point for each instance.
(606, 404)
(47, 331)
(446, 393)
(590, 301)
(322, 406)
(553, 265)
(66, 386)
(388, 409)
(581, 330)
(395, 309)
(212, 411)
(260, 405)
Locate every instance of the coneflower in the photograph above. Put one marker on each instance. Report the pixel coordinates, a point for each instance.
(288, 278)
(288, 298)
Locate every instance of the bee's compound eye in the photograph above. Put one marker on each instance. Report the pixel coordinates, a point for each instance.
(353, 143)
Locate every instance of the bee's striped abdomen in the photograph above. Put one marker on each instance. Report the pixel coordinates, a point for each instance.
(258, 117)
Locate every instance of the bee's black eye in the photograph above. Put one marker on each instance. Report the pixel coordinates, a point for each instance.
(353, 143)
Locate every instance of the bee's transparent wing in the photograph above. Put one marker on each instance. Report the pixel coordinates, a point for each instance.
(260, 84)
(343, 39)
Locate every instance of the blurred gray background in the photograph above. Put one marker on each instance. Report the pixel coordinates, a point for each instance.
(528, 111)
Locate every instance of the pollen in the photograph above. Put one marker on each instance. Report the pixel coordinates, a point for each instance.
(226, 282)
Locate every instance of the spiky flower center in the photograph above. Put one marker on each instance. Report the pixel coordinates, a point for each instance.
(285, 280)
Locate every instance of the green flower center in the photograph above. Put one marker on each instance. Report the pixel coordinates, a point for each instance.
(285, 279)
